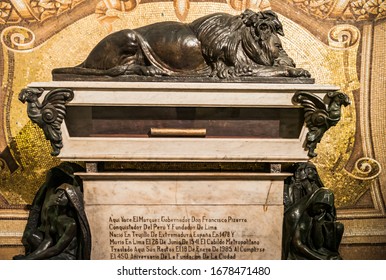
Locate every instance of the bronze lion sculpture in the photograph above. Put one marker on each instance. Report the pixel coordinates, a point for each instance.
(218, 45)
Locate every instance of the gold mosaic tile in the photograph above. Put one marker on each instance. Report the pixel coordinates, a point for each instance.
(34, 160)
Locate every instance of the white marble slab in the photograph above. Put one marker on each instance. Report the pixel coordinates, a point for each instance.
(180, 94)
(182, 149)
(185, 215)
(185, 232)
(183, 188)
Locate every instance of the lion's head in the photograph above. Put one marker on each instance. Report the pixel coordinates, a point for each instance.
(264, 23)
(246, 39)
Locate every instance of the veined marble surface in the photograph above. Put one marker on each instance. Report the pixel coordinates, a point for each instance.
(185, 215)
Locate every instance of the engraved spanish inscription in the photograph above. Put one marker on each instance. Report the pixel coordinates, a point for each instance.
(169, 237)
(184, 216)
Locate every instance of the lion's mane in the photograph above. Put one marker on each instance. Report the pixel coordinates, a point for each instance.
(230, 38)
(220, 35)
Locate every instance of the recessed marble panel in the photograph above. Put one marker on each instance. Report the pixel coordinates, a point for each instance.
(185, 231)
(185, 215)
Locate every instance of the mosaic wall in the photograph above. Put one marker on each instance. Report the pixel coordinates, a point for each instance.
(340, 42)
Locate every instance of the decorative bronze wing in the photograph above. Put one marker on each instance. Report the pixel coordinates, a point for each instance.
(319, 115)
(49, 114)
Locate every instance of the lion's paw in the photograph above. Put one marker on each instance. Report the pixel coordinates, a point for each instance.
(226, 72)
(298, 72)
(244, 71)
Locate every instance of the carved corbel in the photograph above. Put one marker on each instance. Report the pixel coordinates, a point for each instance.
(319, 115)
(49, 114)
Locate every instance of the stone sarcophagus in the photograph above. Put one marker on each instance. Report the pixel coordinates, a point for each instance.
(183, 170)
(238, 122)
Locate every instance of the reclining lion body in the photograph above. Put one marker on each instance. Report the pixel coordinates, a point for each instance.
(219, 45)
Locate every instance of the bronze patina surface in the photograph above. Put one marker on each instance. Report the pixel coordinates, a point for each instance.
(310, 228)
(57, 227)
(216, 47)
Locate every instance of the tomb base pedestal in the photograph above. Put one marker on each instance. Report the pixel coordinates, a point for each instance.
(185, 215)
(158, 214)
